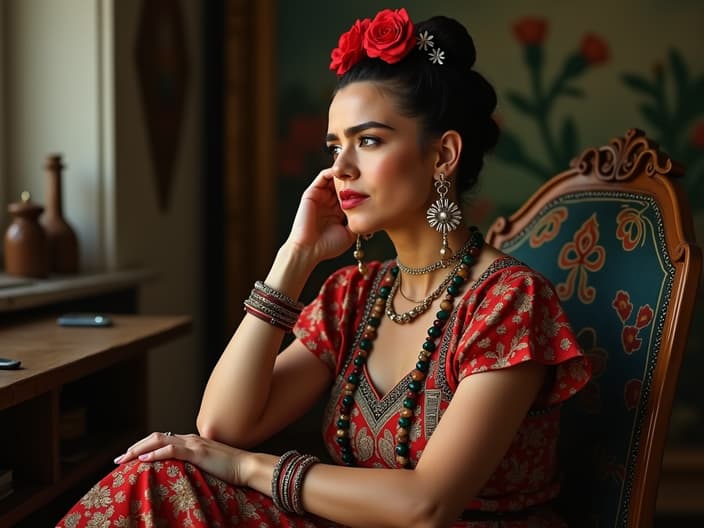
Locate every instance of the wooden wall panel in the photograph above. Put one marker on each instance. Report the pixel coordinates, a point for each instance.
(249, 137)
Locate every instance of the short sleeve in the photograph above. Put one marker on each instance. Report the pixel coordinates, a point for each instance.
(517, 318)
(327, 324)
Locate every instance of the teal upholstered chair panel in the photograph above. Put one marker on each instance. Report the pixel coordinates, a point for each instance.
(604, 236)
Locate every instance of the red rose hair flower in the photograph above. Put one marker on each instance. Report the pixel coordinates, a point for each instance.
(349, 49)
(390, 36)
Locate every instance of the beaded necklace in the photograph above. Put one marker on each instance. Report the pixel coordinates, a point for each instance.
(459, 276)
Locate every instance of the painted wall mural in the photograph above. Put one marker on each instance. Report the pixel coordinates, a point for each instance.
(568, 76)
(560, 140)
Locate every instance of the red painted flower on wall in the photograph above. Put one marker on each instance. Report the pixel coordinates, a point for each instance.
(594, 49)
(530, 31)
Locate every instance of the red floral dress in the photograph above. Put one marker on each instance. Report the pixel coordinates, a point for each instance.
(509, 316)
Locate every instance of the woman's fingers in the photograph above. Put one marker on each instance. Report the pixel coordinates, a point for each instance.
(145, 445)
(213, 457)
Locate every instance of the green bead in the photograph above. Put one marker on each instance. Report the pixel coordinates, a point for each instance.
(359, 361)
(409, 403)
(402, 450)
(353, 378)
(404, 422)
(343, 424)
(414, 386)
(384, 292)
(365, 344)
(453, 290)
(423, 366)
(457, 280)
(348, 458)
(374, 321)
(429, 346)
(468, 259)
(434, 331)
(394, 271)
(442, 315)
(348, 401)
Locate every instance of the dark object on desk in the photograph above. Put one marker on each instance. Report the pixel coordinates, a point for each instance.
(26, 247)
(9, 364)
(84, 319)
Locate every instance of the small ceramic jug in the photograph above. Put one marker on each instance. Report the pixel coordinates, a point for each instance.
(26, 248)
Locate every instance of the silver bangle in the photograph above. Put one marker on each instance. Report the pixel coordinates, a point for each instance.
(297, 491)
(295, 305)
(276, 492)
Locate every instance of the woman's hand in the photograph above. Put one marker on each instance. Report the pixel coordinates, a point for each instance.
(320, 225)
(220, 460)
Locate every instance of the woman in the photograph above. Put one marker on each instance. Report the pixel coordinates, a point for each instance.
(444, 367)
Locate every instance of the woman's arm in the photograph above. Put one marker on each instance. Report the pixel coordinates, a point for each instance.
(253, 390)
(470, 440)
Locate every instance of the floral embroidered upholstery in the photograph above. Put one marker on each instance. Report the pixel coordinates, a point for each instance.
(614, 235)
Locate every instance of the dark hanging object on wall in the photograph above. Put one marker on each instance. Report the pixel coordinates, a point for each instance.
(162, 73)
(62, 241)
(26, 247)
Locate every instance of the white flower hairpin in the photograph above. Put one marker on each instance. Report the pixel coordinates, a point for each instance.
(425, 43)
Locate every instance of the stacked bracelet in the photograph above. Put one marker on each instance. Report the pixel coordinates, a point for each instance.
(287, 481)
(272, 306)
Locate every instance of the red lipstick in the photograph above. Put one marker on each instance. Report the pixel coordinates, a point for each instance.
(350, 199)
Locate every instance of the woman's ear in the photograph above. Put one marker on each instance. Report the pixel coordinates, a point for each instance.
(449, 150)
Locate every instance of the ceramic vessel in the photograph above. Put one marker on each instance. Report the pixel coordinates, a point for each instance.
(63, 244)
(26, 247)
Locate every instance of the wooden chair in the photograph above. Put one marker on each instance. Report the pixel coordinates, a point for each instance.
(615, 236)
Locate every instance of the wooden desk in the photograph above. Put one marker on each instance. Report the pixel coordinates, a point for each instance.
(104, 369)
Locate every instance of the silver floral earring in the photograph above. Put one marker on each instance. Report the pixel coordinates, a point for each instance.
(444, 215)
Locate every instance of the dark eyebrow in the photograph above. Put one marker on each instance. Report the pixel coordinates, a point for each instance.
(351, 131)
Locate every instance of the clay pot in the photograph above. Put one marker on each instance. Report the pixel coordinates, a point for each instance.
(63, 244)
(26, 246)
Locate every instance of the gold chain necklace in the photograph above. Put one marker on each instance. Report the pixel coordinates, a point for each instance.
(422, 306)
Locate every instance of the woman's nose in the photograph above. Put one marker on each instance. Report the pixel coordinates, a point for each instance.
(344, 169)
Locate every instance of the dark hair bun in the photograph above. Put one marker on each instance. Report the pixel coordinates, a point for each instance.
(453, 38)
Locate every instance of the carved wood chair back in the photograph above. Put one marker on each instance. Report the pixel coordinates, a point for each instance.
(614, 234)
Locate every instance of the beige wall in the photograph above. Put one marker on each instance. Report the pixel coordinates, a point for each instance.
(71, 87)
